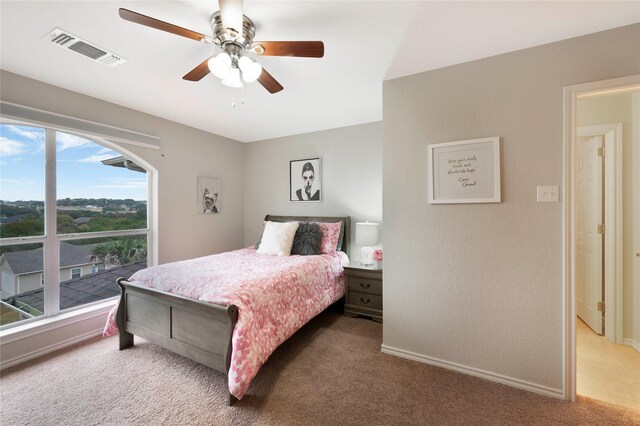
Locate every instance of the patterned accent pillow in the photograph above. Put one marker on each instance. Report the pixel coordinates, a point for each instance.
(308, 239)
(330, 236)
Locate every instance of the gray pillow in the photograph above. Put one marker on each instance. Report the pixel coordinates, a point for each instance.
(308, 239)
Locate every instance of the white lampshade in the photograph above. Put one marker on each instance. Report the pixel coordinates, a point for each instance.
(367, 233)
(250, 70)
(233, 80)
(220, 65)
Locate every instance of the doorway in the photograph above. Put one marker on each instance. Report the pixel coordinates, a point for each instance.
(601, 267)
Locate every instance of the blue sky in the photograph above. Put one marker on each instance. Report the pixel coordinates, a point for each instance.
(80, 173)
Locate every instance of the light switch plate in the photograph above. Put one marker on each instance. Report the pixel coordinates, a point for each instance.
(548, 194)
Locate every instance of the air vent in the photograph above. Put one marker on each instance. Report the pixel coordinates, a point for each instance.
(68, 41)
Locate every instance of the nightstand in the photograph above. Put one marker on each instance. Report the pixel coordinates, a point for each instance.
(363, 291)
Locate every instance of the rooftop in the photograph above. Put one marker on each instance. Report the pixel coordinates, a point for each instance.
(29, 261)
(82, 290)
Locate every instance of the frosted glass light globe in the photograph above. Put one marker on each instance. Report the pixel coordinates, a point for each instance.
(220, 65)
(233, 80)
(250, 70)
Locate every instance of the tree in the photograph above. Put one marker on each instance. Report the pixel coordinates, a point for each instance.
(27, 226)
(66, 224)
(120, 252)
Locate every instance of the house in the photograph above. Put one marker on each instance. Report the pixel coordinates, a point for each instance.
(22, 271)
(11, 219)
(81, 220)
(477, 288)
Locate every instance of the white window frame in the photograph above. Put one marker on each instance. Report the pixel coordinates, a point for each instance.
(51, 240)
(79, 272)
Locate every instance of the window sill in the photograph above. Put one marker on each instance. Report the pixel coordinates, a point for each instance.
(48, 324)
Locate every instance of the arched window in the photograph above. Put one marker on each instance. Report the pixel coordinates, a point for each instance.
(74, 211)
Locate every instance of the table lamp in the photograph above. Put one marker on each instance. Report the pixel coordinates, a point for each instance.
(366, 236)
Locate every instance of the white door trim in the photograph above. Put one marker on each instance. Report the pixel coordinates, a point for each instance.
(612, 134)
(571, 94)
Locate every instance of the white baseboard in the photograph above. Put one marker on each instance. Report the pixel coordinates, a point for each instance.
(483, 374)
(630, 342)
(45, 350)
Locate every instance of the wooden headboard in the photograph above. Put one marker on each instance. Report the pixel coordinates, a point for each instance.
(346, 225)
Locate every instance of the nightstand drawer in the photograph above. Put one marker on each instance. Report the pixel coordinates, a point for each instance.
(364, 285)
(366, 300)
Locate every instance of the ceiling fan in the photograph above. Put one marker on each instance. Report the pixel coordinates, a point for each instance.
(233, 33)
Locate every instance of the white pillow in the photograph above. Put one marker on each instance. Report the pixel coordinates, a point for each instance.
(277, 238)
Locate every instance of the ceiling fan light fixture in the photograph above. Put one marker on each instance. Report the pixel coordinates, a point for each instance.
(220, 65)
(233, 80)
(250, 70)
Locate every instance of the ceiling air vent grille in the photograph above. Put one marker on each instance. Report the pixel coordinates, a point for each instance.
(68, 41)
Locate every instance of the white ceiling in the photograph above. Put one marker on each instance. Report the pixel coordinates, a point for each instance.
(366, 42)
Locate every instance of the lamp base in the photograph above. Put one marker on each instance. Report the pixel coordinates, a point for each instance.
(366, 256)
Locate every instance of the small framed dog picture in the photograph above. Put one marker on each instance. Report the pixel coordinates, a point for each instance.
(209, 194)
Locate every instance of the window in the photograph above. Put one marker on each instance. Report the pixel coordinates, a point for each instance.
(92, 221)
(20, 277)
(76, 272)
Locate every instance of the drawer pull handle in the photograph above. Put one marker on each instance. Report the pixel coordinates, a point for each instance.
(365, 301)
(363, 285)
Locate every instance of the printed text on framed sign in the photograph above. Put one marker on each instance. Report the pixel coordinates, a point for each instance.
(464, 171)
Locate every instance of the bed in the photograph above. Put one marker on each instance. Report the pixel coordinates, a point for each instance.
(204, 331)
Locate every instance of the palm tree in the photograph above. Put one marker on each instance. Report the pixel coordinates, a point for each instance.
(120, 252)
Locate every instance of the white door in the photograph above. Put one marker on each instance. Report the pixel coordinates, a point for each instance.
(589, 213)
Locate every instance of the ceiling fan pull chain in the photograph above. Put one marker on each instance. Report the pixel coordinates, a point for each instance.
(233, 98)
(242, 95)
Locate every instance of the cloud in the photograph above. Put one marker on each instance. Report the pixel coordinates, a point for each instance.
(123, 184)
(15, 182)
(33, 134)
(95, 158)
(10, 147)
(105, 150)
(68, 141)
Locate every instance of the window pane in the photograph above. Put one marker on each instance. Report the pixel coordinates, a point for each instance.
(89, 268)
(21, 181)
(22, 295)
(98, 189)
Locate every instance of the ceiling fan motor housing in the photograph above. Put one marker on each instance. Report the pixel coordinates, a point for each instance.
(229, 39)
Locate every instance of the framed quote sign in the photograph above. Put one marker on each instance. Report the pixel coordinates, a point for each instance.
(464, 171)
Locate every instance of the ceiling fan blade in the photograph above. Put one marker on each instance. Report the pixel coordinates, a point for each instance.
(199, 72)
(141, 19)
(306, 49)
(231, 14)
(269, 83)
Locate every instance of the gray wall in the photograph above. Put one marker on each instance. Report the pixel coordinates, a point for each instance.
(185, 153)
(351, 176)
(480, 285)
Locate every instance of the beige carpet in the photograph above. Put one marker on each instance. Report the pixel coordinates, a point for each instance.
(331, 372)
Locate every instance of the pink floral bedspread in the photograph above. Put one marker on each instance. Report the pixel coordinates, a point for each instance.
(275, 296)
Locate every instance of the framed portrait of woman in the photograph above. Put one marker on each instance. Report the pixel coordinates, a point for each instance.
(305, 179)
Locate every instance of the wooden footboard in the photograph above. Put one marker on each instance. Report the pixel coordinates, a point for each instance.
(197, 330)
